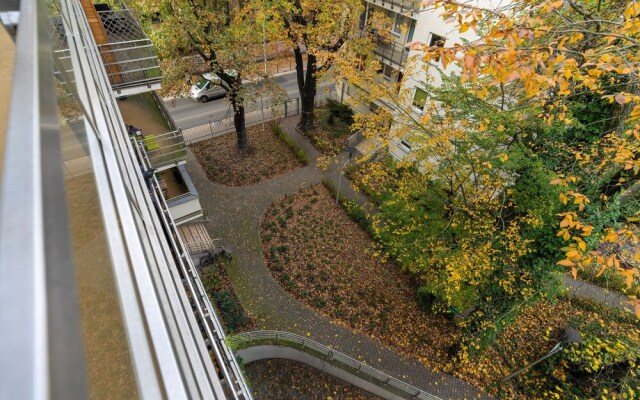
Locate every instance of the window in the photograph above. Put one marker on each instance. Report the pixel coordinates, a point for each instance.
(387, 72)
(419, 99)
(406, 146)
(436, 40)
(398, 23)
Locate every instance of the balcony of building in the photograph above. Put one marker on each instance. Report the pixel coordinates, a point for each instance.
(150, 125)
(407, 7)
(127, 53)
(180, 194)
(392, 51)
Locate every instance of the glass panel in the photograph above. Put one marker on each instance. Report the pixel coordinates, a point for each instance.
(108, 359)
(6, 74)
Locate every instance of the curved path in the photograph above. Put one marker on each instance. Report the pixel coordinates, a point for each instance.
(236, 215)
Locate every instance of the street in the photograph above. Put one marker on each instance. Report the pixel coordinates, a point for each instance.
(188, 113)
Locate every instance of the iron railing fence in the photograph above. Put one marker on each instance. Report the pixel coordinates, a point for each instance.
(253, 116)
(331, 356)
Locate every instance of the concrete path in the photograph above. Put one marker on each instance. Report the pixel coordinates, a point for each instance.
(587, 290)
(236, 215)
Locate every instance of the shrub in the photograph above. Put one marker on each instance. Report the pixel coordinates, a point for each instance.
(233, 315)
(293, 146)
(341, 111)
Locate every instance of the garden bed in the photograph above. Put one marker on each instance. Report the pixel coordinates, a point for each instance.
(332, 128)
(267, 157)
(328, 262)
(222, 295)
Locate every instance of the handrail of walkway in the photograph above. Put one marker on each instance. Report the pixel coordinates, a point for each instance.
(335, 358)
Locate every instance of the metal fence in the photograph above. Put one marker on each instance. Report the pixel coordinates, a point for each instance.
(333, 357)
(253, 116)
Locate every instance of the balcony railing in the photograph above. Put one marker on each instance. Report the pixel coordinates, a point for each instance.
(129, 57)
(128, 54)
(407, 7)
(164, 150)
(393, 53)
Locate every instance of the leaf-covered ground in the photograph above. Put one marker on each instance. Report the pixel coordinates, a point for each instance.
(288, 380)
(224, 164)
(327, 261)
(604, 365)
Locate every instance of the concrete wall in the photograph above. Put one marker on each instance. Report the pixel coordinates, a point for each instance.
(263, 352)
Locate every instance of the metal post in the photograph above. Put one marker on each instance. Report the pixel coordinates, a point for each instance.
(264, 54)
(557, 348)
(340, 178)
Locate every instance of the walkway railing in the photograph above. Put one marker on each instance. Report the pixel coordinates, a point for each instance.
(354, 139)
(331, 356)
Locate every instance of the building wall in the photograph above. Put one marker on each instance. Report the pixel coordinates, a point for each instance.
(416, 72)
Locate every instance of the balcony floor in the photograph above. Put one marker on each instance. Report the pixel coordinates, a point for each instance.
(142, 112)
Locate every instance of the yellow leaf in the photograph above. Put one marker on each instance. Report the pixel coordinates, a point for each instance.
(565, 263)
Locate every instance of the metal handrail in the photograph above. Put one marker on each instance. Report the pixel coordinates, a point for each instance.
(211, 325)
(175, 150)
(404, 5)
(331, 356)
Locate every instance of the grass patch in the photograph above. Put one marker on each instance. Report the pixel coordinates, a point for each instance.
(330, 265)
(354, 211)
(293, 146)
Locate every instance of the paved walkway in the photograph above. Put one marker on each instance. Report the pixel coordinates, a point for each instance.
(236, 215)
(587, 290)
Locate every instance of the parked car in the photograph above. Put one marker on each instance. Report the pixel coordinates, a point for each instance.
(207, 88)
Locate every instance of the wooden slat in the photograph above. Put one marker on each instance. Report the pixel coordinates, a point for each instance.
(197, 238)
(101, 38)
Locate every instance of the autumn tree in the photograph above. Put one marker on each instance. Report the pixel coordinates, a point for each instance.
(537, 116)
(196, 37)
(321, 29)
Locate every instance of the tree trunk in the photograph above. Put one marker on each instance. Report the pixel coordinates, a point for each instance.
(307, 82)
(239, 121)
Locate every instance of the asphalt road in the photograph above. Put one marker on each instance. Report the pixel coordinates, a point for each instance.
(187, 113)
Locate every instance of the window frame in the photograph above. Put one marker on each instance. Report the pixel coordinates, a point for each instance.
(413, 100)
(397, 25)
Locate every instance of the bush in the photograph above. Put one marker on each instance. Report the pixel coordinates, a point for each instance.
(340, 111)
(293, 146)
(233, 315)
